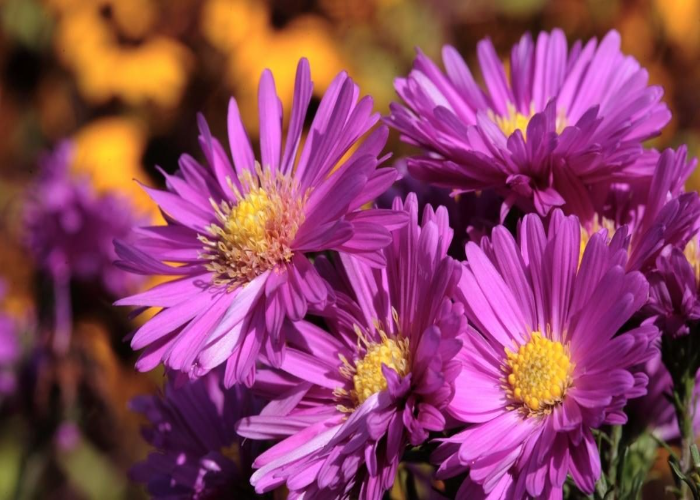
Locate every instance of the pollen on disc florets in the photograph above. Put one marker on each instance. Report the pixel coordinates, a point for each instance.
(514, 120)
(366, 371)
(538, 374)
(586, 234)
(255, 232)
(692, 254)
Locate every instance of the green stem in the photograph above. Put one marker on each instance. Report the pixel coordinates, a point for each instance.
(615, 437)
(684, 405)
(681, 355)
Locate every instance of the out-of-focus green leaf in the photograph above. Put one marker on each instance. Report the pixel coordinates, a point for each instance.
(92, 473)
(27, 22)
(10, 458)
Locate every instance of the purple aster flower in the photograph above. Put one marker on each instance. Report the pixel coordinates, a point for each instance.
(565, 121)
(240, 232)
(349, 403)
(70, 228)
(198, 454)
(673, 300)
(546, 363)
(654, 410)
(657, 212)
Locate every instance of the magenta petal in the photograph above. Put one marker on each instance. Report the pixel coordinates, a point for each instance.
(585, 463)
(239, 143)
(270, 110)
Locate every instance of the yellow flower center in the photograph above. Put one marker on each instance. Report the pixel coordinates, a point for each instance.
(254, 234)
(366, 372)
(598, 224)
(538, 374)
(691, 253)
(514, 120)
(368, 378)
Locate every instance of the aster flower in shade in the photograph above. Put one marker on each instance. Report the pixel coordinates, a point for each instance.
(654, 410)
(471, 215)
(546, 362)
(239, 232)
(657, 211)
(198, 454)
(673, 301)
(70, 228)
(347, 404)
(564, 121)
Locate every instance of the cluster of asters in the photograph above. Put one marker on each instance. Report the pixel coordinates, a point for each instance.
(343, 333)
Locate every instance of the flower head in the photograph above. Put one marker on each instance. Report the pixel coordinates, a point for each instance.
(566, 120)
(546, 362)
(674, 300)
(351, 401)
(238, 233)
(657, 211)
(654, 410)
(198, 454)
(70, 228)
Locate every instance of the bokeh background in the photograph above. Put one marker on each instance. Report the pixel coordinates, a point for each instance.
(124, 80)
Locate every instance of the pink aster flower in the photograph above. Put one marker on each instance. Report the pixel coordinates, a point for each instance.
(564, 121)
(70, 227)
(347, 404)
(657, 211)
(69, 231)
(239, 232)
(546, 363)
(197, 453)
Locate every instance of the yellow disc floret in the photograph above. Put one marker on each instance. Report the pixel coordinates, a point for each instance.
(538, 374)
(368, 378)
(256, 233)
(512, 121)
(586, 234)
(691, 253)
(515, 120)
(365, 375)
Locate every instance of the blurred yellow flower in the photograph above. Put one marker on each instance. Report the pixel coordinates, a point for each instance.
(153, 70)
(228, 23)
(17, 299)
(680, 19)
(241, 29)
(109, 152)
(637, 38)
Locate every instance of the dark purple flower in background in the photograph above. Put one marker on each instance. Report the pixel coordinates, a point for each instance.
(350, 402)
(471, 215)
(198, 454)
(673, 301)
(654, 410)
(70, 228)
(240, 232)
(565, 121)
(657, 212)
(546, 363)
